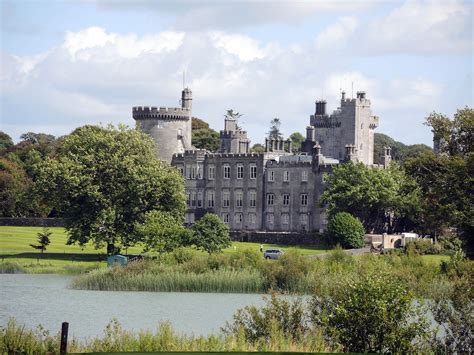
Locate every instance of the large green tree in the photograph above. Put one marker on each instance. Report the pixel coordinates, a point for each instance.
(14, 188)
(274, 132)
(384, 200)
(104, 180)
(210, 234)
(204, 137)
(346, 230)
(5, 141)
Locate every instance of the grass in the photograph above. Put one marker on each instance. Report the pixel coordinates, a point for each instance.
(72, 259)
(434, 260)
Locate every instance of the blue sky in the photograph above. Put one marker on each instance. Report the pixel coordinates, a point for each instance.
(69, 63)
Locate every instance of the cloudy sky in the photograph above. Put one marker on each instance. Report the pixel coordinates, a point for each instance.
(69, 63)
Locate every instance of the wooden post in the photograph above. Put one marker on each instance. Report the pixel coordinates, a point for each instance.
(64, 330)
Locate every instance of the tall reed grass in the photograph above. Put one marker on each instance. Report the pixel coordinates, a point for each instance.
(15, 339)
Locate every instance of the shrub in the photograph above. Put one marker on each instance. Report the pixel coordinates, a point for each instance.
(423, 247)
(347, 230)
(11, 268)
(372, 314)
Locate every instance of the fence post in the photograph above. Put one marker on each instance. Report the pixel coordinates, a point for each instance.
(64, 331)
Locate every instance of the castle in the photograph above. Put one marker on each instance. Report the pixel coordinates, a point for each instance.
(272, 191)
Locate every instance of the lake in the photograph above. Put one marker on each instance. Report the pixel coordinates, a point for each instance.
(46, 300)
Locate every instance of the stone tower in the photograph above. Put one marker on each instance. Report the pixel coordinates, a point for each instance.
(170, 128)
(233, 138)
(351, 124)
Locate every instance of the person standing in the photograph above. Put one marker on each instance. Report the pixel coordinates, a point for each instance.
(261, 248)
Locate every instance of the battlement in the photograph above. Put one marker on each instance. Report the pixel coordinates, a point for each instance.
(288, 164)
(164, 113)
(207, 154)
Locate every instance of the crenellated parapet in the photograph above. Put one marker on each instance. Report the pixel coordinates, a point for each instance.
(162, 113)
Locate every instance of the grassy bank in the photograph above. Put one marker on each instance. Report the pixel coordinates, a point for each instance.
(247, 272)
(17, 256)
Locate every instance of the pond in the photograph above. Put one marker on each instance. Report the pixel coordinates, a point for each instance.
(46, 300)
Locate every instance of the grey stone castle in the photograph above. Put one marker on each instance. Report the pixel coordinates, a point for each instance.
(273, 191)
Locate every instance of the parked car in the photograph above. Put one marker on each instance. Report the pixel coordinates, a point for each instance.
(273, 253)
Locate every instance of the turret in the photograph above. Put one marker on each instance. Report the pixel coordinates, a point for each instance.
(320, 107)
(351, 153)
(187, 99)
(387, 156)
(317, 156)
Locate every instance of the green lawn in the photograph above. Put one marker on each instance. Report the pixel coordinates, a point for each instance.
(435, 259)
(59, 257)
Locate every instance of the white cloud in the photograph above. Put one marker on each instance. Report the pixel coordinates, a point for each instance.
(337, 34)
(423, 26)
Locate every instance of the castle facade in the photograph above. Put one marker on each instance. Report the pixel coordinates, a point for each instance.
(272, 191)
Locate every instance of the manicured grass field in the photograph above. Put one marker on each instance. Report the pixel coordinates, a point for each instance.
(15, 247)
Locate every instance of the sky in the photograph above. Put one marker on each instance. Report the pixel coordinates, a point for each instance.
(64, 64)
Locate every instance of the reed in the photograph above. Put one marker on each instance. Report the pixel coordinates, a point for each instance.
(11, 268)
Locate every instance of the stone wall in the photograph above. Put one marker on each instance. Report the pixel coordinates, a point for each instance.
(32, 222)
(290, 238)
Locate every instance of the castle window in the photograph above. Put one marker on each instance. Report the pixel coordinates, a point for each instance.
(324, 218)
(252, 198)
(181, 170)
(225, 217)
(252, 219)
(193, 198)
(188, 172)
(188, 199)
(225, 199)
(253, 171)
(286, 199)
(304, 221)
(210, 198)
(270, 220)
(199, 199)
(271, 176)
(286, 176)
(226, 171)
(304, 199)
(193, 172)
(211, 172)
(304, 175)
(361, 147)
(238, 218)
(239, 198)
(199, 171)
(285, 219)
(270, 199)
(240, 171)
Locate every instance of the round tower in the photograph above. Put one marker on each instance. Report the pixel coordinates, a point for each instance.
(170, 127)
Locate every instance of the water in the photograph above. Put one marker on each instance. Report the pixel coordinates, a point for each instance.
(46, 300)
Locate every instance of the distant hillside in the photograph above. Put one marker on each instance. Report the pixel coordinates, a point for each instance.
(400, 151)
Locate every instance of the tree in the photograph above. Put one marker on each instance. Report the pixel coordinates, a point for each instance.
(346, 230)
(257, 148)
(162, 232)
(197, 123)
(43, 240)
(456, 136)
(232, 115)
(210, 234)
(297, 138)
(104, 180)
(206, 138)
(400, 151)
(5, 141)
(274, 132)
(14, 188)
(373, 314)
(384, 200)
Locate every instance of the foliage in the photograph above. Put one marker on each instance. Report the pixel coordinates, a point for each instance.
(456, 136)
(104, 180)
(274, 132)
(210, 234)
(232, 115)
(197, 123)
(423, 247)
(162, 232)
(43, 240)
(447, 198)
(400, 151)
(257, 148)
(278, 315)
(346, 230)
(453, 309)
(297, 138)
(374, 314)
(206, 138)
(382, 199)
(5, 141)
(14, 187)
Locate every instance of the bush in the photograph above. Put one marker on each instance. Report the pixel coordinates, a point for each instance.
(373, 314)
(210, 234)
(346, 230)
(423, 247)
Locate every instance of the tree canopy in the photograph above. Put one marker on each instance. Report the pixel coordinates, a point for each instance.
(5, 141)
(297, 138)
(274, 132)
(104, 180)
(204, 137)
(210, 234)
(400, 151)
(346, 230)
(384, 200)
